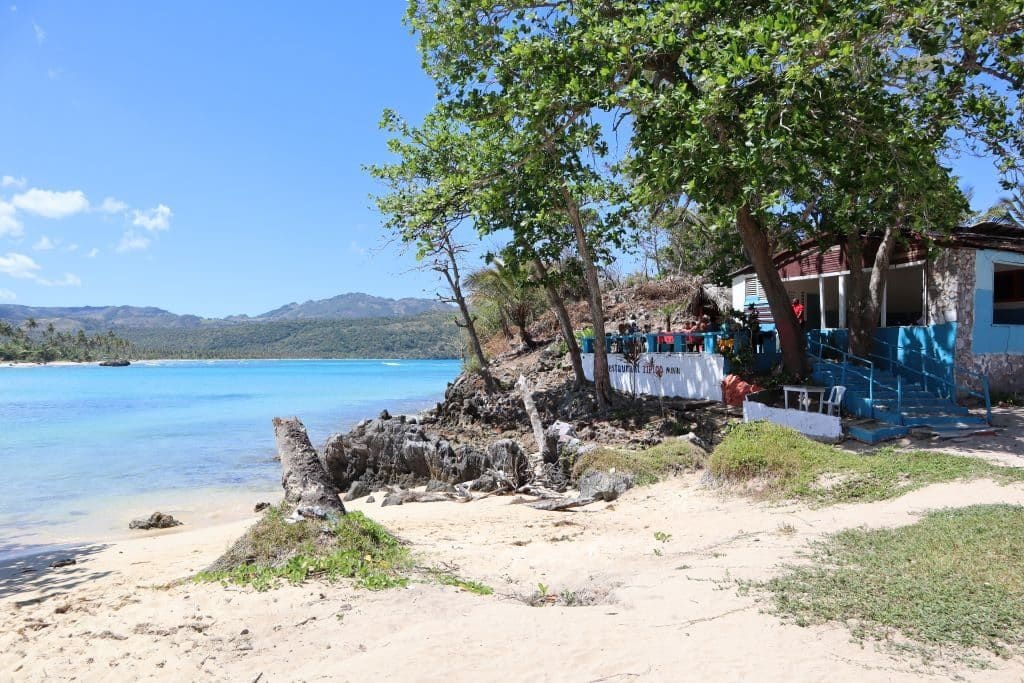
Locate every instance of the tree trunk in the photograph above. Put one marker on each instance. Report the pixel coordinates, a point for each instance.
(564, 321)
(524, 336)
(536, 458)
(602, 380)
(791, 339)
(451, 274)
(865, 295)
(305, 481)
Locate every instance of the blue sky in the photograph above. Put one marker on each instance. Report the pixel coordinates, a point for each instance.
(206, 157)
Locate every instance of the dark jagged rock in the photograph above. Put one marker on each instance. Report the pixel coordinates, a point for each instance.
(392, 451)
(599, 485)
(435, 486)
(559, 438)
(370, 499)
(115, 363)
(358, 489)
(157, 520)
(63, 562)
(261, 506)
(507, 456)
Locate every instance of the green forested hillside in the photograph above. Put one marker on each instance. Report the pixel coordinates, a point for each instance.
(432, 335)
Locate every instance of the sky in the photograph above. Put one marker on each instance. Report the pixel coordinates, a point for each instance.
(207, 158)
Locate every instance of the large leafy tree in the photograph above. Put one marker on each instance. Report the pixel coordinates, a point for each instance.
(760, 110)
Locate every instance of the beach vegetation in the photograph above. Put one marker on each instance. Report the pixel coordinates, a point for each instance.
(26, 343)
(951, 579)
(446, 578)
(779, 462)
(275, 551)
(648, 466)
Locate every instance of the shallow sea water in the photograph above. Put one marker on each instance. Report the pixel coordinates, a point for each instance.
(83, 448)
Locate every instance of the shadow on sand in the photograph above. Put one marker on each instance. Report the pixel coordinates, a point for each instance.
(26, 569)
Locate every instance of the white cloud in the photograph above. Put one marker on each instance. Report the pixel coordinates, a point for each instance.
(111, 205)
(25, 268)
(45, 244)
(69, 280)
(131, 241)
(54, 73)
(7, 295)
(11, 181)
(50, 204)
(40, 33)
(71, 247)
(93, 253)
(356, 249)
(10, 226)
(19, 266)
(154, 220)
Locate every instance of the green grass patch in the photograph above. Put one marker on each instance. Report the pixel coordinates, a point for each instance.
(786, 464)
(953, 578)
(272, 551)
(647, 466)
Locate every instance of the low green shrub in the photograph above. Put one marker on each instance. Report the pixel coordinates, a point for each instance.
(353, 546)
(648, 466)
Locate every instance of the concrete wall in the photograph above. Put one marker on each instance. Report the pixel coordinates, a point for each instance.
(684, 375)
(814, 425)
(960, 289)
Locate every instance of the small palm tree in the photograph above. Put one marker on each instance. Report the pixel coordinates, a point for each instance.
(510, 291)
(1008, 211)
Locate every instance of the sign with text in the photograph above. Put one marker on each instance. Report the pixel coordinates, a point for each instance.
(683, 375)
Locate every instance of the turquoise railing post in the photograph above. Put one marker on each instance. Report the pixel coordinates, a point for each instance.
(988, 399)
(652, 342)
(899, 397)
(678, 343)
(871, 390)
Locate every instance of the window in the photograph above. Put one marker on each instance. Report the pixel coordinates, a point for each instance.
(752, 289)
(1008, 295)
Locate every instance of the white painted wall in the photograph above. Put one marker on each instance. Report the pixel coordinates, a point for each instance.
(815, 425)
(739, 296)
(684, 375)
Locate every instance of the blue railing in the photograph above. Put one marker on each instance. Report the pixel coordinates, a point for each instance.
(705, 342)
(817, 352)
(945, 382)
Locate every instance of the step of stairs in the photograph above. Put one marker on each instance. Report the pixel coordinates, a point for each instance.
(919, 406)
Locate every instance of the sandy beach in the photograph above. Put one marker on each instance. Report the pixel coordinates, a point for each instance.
(675, 614)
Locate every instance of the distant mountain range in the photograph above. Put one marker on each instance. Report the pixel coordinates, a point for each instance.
(354, 305)
(101, 318)
(351, 325)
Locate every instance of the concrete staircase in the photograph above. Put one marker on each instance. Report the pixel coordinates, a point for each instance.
(894, 403)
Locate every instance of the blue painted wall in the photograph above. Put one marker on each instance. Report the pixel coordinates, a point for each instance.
(929, 347)
(989, 336)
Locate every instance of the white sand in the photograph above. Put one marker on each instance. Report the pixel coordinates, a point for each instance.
(673, 617)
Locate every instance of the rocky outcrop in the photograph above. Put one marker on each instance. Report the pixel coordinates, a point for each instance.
(115, 364)
(599, 485)
(399, 451)
(157, 520)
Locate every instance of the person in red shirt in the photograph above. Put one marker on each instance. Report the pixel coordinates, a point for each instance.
(799, 312)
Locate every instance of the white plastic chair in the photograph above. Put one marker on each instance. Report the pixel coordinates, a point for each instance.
(834, 400)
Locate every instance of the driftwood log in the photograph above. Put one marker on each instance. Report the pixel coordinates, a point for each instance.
(305, 481)
(536, 459)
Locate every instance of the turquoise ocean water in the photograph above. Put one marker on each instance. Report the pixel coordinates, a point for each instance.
(76, 440)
